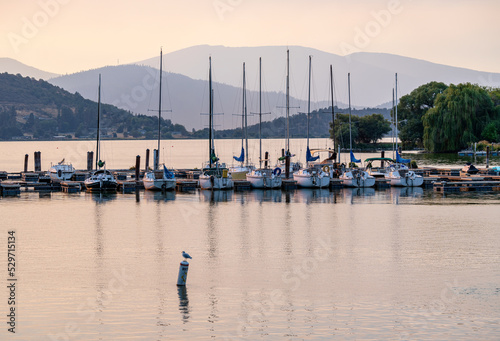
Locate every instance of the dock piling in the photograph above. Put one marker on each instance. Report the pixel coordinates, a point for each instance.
(147, 160)
(90, 160)
(137, 169)
(26, 162)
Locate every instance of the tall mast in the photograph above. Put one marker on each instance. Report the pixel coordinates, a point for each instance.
(349, 92)
(392, 132)
(287, 147)
(210, 111)
(157, 161)
(333, 111)
(245, 115)
(396, 112)
(243, 110)
(308, 106)
(260, 112)
(309, 102)
(97, 159)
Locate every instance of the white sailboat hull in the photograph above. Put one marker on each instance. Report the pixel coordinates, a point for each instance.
(263, 181)
(61, 172)
(359, 181)
(408, 179)
(308, 180)
(159, 184)
(216, 183)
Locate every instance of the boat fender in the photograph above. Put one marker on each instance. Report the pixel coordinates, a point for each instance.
(59, 173)
(163, 187)
(212, 181)
(326, 169)
(277, 171)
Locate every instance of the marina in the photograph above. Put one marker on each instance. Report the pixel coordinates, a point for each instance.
(352, 263)
(441, 179)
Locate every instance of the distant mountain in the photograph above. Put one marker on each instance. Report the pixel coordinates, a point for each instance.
(135, 88)
(14, 67)
(372, 74)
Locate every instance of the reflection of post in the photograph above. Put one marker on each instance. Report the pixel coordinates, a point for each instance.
(183, 303)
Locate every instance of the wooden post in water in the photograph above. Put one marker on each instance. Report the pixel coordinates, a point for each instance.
(382, 155)
(26, 162)
(90, 160)
(487, 156)
(137, 169)
(38, 162)
(287, 166)
(147, 160)
(156, 158)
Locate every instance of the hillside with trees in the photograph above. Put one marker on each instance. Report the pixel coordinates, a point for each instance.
(36, 109)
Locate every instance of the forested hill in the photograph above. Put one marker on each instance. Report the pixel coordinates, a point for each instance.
(319, 124)
(32, 108)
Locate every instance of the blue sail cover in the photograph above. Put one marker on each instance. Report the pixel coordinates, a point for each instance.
(242, 156)
(399, 159)
(167, 174)
(353, 159)
(309, 157)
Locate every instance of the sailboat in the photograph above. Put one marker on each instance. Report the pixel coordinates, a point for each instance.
(354, 177)
(240, 172)
(398, 174)
(215, 175)
(286, 156)
(61, 171)
(263, 177)
(159, 179)
(313, 176)
(101, 180)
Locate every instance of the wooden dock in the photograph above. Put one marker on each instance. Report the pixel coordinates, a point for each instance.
(126, 186)
(288, 184)
(186, 185)
(242, 185)
(466, 186)
(9, 189)
(71, 186)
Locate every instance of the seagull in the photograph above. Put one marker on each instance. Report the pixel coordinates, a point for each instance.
(186, 255)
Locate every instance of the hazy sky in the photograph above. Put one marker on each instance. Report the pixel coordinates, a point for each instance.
(66, 36)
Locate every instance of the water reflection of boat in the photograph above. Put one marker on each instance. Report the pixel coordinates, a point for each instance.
(101, 197)
(271, 195)
(407, 191)
(308, 195)
(350, 193)
(159, 196)
(216, 196)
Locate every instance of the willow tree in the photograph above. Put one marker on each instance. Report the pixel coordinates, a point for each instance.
(458, 118)
(412, 108)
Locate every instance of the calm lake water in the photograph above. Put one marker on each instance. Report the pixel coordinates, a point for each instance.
(394, 264)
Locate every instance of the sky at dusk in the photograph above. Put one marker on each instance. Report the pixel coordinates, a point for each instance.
(66, 36)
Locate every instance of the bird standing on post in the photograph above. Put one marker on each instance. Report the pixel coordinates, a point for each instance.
(186, 255)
